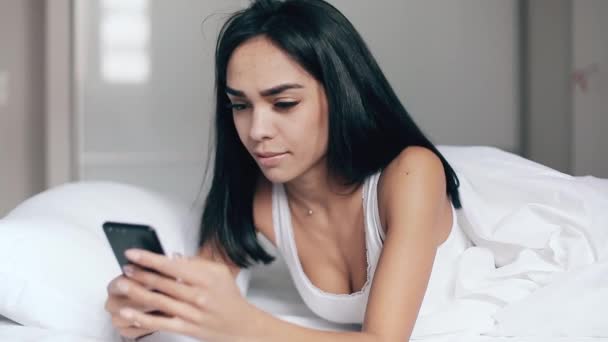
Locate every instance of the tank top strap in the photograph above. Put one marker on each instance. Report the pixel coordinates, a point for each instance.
(372, 214)
(279, 212)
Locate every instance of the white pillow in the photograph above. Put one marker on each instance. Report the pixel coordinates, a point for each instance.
(53, 275)
(55, 261)
(89, 204)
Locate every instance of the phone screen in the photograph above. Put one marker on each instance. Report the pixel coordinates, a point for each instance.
(123, 236)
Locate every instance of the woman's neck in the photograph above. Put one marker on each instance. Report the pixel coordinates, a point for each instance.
(316, 193)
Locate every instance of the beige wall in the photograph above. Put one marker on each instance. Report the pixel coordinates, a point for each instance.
(547, 97)
(21, 101)
(590, 115)
(453, 65)
(547, 130)
(564, 126)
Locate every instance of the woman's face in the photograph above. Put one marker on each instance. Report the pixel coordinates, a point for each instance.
(279, 110)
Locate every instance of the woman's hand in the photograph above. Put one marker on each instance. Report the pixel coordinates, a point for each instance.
(118, 300)
(199, 297)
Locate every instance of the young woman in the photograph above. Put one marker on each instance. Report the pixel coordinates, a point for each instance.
(314, 151)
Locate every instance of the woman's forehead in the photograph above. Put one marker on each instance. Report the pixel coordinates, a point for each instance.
(259, 64)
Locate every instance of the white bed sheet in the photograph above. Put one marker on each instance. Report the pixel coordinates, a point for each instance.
(270, 289)
(17, 333)
(13, 332)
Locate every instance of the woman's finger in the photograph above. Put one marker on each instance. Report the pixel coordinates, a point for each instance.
(170, 287)
(120, 323)
(165, 303)
(115, 303)
(134, 332)
(112, 287)
(156, 323)
(126, 327)
(178, 268)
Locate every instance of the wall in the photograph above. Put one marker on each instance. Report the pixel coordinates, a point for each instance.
(590, 59)
(59, 139)
(565, 103)
(144, 91)
(559, 35)
(21, 101)
(547, 98)
(454, 66)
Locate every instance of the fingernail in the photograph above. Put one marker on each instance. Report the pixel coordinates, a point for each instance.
(129, 270)
(132, 254)
(126, 313)
(176, 255)
(123, 286)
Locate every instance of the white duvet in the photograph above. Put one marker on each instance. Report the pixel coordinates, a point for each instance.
(539, 266)
(538, 270)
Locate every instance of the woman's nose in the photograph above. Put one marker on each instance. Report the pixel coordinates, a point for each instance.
(261, 125)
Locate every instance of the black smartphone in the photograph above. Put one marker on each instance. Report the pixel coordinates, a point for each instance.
(123, 236)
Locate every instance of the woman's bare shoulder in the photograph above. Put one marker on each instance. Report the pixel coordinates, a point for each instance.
(412, 158)
(416, 160)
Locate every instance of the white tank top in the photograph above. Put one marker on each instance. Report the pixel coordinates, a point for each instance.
(350, 308)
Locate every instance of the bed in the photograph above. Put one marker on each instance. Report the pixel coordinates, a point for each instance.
(537, 269)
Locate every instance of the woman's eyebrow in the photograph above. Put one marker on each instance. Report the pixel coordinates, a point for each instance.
(268, 92)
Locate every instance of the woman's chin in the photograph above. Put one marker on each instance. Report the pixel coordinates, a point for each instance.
(276, 175)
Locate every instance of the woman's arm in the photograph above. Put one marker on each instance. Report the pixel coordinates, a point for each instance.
(268, 328)
(414, 198)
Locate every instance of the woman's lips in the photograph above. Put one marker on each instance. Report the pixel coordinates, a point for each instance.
(270, 160)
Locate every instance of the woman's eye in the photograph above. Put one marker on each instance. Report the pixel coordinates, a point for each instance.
(237, 106)
(285, 105)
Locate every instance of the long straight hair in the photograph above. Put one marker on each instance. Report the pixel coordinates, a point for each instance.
(368, 125)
